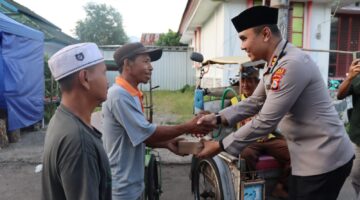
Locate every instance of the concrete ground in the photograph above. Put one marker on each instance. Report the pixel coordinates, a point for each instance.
(18, 179)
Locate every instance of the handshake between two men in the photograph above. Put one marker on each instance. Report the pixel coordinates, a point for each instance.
(202, 125)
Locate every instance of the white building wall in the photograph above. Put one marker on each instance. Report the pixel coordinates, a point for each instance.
(212, 34)
(219, 38)
(232, 42)
(317, 34)
(231, 39)
(212, 45)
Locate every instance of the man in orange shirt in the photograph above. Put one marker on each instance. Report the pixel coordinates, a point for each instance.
(127, 131)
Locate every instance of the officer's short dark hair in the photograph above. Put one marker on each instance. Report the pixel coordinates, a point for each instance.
(273, 27)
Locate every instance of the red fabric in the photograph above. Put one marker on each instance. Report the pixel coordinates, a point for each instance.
(267, 162)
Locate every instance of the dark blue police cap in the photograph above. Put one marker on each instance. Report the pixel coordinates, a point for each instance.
(255, 16)
(249, 72)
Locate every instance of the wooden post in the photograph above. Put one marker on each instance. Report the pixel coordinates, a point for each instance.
(4, 142)
(14, 136)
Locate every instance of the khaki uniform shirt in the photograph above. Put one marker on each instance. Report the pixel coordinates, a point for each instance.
(294, 97)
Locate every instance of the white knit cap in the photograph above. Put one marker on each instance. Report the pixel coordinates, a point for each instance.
(73, 58)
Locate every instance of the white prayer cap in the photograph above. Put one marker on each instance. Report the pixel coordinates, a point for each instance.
(73, 58)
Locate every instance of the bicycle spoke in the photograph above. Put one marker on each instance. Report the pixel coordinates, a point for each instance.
(208, 185)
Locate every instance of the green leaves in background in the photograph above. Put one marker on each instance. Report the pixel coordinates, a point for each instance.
(102, 25)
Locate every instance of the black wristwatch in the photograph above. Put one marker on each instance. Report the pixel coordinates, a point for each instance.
(221, 145)
(218, 118)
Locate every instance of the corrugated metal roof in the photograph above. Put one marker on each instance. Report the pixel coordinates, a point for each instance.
(149, 38)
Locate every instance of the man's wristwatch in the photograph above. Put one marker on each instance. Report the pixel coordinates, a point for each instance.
(218, 118)
(221, 145)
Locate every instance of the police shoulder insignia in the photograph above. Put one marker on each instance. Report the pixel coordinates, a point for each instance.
(276, 78)
(280, 72)
(275, 84)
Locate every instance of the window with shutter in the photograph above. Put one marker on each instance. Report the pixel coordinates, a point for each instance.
(257, 2)
(333, 45)
(260, 2)
(345, 36)
(296, 24)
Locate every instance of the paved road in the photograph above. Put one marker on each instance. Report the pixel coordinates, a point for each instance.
(181, 179)
(19, 181)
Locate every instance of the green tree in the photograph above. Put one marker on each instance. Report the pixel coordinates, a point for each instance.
(170, 38)
(102, 25)
(51, 92)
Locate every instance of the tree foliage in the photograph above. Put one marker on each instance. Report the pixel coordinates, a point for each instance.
(102, 25)
(51, 92)
(170, 38)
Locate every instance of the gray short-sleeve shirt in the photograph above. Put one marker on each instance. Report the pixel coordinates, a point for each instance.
(125, 129)
(75, 165)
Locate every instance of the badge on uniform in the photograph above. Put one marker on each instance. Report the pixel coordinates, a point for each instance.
(273, 60)
(276, 78)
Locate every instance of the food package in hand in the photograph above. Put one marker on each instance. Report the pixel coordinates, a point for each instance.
(190, 147)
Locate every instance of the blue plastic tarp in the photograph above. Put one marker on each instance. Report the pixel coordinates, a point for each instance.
(9, 25)
(21, 73)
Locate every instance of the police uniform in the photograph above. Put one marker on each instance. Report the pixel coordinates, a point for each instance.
(293, 95)
(273, 144)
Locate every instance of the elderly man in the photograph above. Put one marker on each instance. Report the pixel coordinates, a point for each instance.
(293, 95)
(75, 165)
(127, 131)
(272, 144)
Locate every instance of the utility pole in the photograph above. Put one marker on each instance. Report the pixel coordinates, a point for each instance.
(283, 17)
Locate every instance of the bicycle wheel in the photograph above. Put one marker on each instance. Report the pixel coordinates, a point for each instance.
(152, 186)
(207, 181)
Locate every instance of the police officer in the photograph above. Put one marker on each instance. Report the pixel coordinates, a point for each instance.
(292, 95)
(272, 144)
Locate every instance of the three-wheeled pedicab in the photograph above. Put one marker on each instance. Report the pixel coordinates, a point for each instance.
(225, 176)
